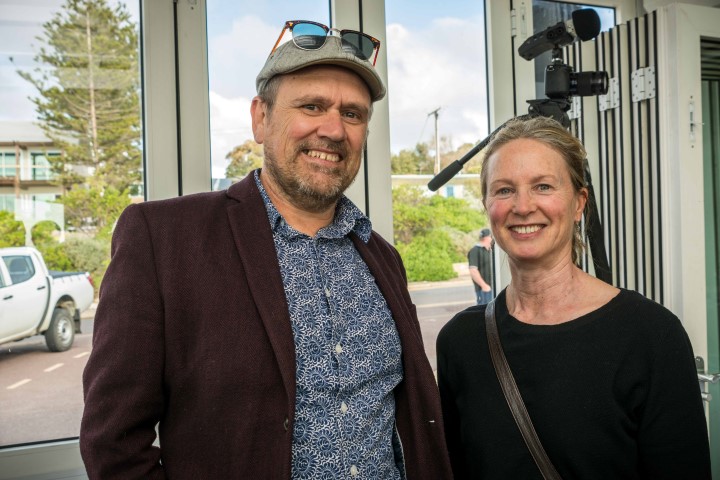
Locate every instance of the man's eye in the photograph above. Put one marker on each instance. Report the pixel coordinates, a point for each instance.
(544, 187)
(504, 191)
(310, 107)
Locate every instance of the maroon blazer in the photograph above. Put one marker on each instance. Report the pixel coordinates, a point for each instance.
(192, 334)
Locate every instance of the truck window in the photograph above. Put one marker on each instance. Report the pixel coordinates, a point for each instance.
(20, 268)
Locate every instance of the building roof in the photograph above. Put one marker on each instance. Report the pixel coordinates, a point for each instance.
(25, 133)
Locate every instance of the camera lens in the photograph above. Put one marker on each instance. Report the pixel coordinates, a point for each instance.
(589, 83)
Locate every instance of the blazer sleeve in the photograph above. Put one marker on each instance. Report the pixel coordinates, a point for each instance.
(123, 379)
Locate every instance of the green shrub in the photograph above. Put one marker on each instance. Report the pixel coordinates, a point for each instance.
(12, 232)
(55, 256)
(43, 233)
(428, 257)
(433, 232)
(457, 213)
(90, 255)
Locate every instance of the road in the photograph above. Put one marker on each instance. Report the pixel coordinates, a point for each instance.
(41, 392)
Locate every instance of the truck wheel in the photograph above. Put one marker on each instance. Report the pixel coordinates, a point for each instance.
(59, 337)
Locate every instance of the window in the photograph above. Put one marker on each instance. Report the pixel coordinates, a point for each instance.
(50, 83)
(41, 165)
(438, 78)
(20, 268)
(547, 13)
(8, 166)
(240, 36)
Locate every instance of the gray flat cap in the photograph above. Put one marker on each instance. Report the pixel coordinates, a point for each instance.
(289, 58)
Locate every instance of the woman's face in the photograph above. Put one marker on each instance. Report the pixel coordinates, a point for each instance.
(531, 203)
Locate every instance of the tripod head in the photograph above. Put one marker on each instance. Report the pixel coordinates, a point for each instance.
(561, 84)
(561, 80)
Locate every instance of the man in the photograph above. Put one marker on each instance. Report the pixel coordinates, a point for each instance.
(481, 268)
(266, 330)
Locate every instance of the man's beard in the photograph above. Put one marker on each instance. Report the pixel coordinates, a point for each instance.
(299, 186)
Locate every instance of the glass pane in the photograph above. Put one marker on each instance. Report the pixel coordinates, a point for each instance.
(240, 37)
(70, 161)
(547, 13)
(437, 76)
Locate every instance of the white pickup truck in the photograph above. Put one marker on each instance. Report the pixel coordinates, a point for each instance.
(36, 301)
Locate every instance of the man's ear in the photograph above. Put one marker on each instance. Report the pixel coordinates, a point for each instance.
(258, 113)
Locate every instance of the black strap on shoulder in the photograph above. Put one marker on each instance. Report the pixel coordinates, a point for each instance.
(513, 397)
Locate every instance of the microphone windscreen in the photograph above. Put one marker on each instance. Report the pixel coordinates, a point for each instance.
(586, 23)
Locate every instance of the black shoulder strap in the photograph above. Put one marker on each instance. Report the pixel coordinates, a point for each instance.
(513, 397)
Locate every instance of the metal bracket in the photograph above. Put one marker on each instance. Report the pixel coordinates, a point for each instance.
(643, 84)
(705, 378)
(575, 108)
(694, 125)
(518, 20)
(513, 23)
(612, 98)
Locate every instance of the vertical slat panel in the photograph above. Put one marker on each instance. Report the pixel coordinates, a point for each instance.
(627, 159)
(604, 133)
(618, 51)
(656, 217)
(636, 229)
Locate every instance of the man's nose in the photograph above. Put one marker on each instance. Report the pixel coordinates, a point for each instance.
(332, 126)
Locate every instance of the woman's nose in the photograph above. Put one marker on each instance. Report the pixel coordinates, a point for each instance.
(524, 202)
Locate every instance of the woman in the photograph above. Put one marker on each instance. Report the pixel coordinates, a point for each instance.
(607, 376)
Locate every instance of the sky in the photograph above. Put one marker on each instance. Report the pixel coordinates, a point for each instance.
(435, 56)
(434, 61)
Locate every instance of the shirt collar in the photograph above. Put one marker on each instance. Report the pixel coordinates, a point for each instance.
(348, 218)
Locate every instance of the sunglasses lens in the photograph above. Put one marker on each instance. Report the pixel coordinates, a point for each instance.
(308, 35)
(358, 44)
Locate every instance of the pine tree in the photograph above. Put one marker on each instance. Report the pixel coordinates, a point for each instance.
(88, 99)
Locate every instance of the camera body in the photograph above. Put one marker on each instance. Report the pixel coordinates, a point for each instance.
(561, 82)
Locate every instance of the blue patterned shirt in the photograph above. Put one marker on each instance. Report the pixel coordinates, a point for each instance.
(348, 354)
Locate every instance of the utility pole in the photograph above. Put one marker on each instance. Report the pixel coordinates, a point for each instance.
(437, 142)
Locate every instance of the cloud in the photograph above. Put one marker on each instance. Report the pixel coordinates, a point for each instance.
(230, 126)
(441, 65)
(236, 57)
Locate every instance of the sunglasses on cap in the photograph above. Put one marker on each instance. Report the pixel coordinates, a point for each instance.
(309, 35)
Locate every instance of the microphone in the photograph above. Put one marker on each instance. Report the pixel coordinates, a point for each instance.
(446, 174)
(584, 25)
(451, 170)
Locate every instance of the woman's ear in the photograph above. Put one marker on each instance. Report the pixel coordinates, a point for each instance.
(582, 199)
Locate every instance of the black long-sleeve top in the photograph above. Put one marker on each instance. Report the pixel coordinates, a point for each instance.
(612, 395)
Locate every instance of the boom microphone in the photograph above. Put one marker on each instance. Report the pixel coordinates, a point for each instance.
(451, 170)
(584, 25)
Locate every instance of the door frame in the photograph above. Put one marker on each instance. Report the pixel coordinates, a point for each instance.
(686, 279)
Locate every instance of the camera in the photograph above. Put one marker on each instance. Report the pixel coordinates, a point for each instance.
(561, 82)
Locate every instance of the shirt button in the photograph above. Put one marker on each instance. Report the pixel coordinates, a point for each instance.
(338, 349)
(327, 293)
(354, 471)
(343, 407)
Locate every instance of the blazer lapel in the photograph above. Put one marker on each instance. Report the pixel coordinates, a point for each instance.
(254, 242)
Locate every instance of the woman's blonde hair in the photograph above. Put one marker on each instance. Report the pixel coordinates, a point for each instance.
(551, 133)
